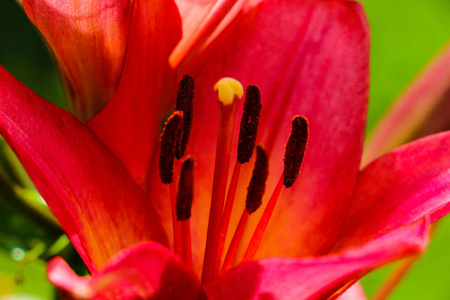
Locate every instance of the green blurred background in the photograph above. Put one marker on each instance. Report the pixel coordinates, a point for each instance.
(406, 34)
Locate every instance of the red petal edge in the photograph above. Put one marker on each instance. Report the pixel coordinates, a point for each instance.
(142, 271)
(130, 124)
(85, 186)
(399, 188)
(318, 277)
(89, 44)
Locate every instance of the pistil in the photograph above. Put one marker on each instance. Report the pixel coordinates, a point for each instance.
(229, 91)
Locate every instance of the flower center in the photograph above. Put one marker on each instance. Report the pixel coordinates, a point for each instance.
(174, 141)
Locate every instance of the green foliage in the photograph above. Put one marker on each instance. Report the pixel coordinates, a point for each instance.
(405, 35)
(23, 53)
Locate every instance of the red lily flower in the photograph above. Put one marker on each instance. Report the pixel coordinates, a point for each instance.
(332, 227)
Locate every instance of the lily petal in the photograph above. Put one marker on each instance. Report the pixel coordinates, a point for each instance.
(140, 272)
(130, 125)
(400, 187)
(317, 277)
(321, 49)
(89, 39)
(193, 14)
(202, 21)
(422, 110)
(85, 186)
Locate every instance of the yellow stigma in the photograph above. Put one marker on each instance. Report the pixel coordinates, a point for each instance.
(227, 89)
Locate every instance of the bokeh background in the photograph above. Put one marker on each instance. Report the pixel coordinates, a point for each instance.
(406, 34)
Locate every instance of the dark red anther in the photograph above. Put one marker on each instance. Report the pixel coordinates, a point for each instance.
(257, 186)
(185, 194)
(249, 123)
(185, 104)
(168, 142)
(295, 150)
